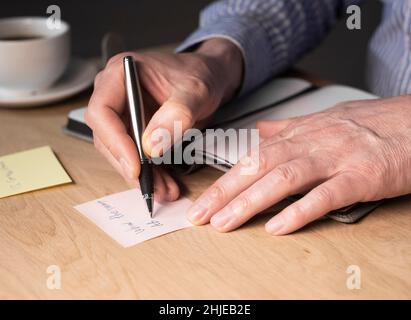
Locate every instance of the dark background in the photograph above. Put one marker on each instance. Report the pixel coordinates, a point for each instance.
(340, 58)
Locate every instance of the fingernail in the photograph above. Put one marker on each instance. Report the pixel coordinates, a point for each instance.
(196, 213)
(127, 169)
(274, 226)
(220, 219)
(201, 207)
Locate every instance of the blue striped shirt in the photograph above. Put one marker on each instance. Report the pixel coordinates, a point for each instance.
(274, 34)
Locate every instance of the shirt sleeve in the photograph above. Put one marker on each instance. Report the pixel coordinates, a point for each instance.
(271, 34)
(389, 55)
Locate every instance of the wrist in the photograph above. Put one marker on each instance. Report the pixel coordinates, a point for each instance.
(226, 61)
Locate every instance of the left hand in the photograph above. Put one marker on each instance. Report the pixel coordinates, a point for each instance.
(354, 152)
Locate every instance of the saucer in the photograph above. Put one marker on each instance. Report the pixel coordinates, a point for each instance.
(79, 76)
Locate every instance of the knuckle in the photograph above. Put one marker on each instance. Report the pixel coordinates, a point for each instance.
(325, 195)
(185, 113)
(241, 205)
(98, 78)
(91, 116)
(97, 144)
(286, 133)
(111, 147)
(119, 57)
(285, 173)
(188, 114)
(296, 214)
(218, 192)
(200, 87)
(370, 179)
(262, 160)
(88, 117)
(371, 137)
(174, 189)
(115, 58)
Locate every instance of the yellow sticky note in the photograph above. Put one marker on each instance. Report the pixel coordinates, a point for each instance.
(30, 170)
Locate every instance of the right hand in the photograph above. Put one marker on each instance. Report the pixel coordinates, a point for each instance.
(185, 87)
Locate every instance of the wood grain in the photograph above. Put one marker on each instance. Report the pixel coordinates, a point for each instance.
(41, 228)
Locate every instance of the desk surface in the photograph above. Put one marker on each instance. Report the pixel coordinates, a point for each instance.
(41, 228)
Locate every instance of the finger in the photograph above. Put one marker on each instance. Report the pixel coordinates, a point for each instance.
(104, 151)
(172, 189)
(103, 117)
(239, 178)
(160, 186)
(113, 161)
(111, 131)
(336, 193)
(159, 134)
(108, 82)
(285, 180)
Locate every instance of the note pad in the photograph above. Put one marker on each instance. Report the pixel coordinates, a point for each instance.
(30, 170)
(124, 216)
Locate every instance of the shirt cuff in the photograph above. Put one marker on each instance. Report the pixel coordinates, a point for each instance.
(249, 36)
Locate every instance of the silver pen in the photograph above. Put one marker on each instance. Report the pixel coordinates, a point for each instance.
(138, 124)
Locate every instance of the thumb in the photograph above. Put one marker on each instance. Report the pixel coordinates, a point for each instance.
(169, 123)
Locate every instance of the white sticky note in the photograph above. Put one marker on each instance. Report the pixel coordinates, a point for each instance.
(124, 216)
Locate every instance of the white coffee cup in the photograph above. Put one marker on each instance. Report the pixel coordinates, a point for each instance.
(33, 54)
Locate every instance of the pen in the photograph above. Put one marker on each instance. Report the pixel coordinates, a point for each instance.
(137, 116)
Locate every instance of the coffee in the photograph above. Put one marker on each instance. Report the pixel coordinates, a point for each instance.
(20, 38)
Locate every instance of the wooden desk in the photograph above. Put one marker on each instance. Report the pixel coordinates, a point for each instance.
(41, 228)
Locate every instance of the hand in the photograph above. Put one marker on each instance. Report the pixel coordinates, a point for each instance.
(177, 87)
(354, 152)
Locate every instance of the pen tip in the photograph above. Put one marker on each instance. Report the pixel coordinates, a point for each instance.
(149, 202)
